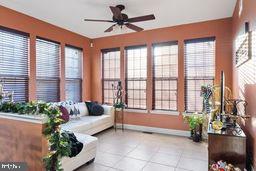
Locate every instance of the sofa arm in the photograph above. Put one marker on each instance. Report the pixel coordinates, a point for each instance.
(108, 110)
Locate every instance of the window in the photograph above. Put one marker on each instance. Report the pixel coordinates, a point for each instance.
(199, 70)
(165, 76)
(136, 77)
(73, 69)
(47, 70)
(14, 64)
(111, 73)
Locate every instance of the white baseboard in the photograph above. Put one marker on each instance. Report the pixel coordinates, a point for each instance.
(155, 130)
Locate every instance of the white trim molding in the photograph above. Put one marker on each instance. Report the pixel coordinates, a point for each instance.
(135, 110)
(155, 130)
(162, 112)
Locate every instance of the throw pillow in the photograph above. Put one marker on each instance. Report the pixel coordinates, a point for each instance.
(97, 110)
(89, 107)
(83, 109)
(64, 113)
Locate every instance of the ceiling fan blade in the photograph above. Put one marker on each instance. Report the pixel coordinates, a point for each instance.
(116, 12)
(110, 21)
(110, 28)
(133, 27)
(141, 18)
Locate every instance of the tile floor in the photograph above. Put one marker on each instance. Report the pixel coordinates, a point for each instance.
(134, 151)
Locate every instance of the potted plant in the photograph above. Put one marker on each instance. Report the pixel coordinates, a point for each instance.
(119, 106)
(195, 122)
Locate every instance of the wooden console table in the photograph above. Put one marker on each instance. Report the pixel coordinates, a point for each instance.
(228, 145)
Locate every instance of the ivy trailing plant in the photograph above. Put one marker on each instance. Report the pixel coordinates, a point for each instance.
(58, 142)
(20, 108)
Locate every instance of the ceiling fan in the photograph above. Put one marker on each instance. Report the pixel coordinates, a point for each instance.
(122, 19)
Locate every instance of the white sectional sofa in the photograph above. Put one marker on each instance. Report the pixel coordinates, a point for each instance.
(90, 125)
(83, 127)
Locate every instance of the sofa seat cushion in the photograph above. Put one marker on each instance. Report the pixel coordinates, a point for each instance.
(76, 125)
(85, 123)
(89, 143)
(99, 120)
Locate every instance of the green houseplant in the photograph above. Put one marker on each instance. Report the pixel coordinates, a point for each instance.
(119, 105)
(195, 122)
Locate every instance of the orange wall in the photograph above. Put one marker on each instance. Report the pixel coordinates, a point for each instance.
(244, 77)
(18, 21)
(221, 29)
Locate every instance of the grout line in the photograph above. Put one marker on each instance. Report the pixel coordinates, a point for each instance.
(179, 159)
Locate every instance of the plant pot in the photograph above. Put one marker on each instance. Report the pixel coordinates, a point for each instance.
(191, 134)
(118, 109)
(196, 134)
(196, 137)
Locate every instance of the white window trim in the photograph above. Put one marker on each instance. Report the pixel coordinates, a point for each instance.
(163, 112)
(136, 110)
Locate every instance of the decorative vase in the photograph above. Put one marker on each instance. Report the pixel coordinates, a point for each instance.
(206, 106)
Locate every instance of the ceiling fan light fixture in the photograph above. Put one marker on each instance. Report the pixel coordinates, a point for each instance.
(119, 28)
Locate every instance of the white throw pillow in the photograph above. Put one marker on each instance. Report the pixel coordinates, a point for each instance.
(83, 109)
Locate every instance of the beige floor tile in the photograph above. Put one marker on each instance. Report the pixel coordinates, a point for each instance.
(93, 167)
(107, 159)
(148, 147)
(195, 155)
(130, 164)
(120, 150)
(131, 143)
(166, 150)
(193, 164)
(141, 154)
(165, 159)
(157, 167)
(170, 150)
(113, 169)
(178, 169)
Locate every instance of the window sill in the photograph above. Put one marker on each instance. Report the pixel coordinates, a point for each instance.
(162, 112)
(189, 113)
(135, 111)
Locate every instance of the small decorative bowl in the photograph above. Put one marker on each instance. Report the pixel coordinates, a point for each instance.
(217, 125)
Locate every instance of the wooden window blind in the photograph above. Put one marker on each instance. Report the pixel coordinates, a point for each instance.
(199, 70)
(165, 58)
(73, 70)
(136, 77)
(14, 63)
(110, 73)
(47, 70)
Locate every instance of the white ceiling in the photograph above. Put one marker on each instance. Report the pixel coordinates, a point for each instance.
(69, 14)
